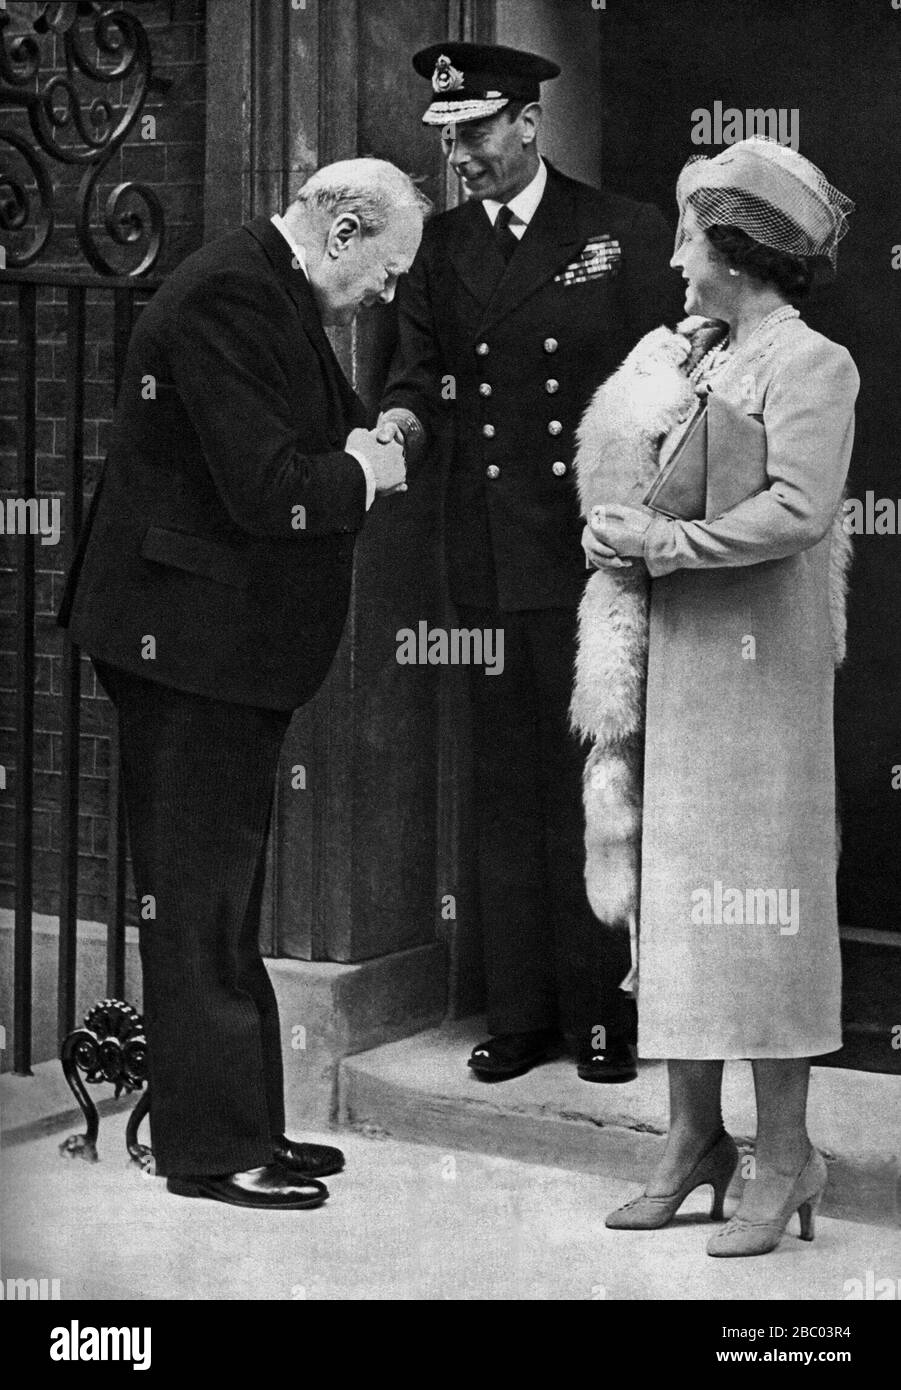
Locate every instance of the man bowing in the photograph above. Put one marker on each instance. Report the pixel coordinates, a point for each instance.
(210, 589)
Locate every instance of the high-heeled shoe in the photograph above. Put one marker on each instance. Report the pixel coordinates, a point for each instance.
(716, 1166)
(743, 1236)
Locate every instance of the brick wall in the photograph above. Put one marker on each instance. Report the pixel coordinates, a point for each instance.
(172, 162)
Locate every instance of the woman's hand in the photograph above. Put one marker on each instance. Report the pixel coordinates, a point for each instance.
(599, 556)
(617, 531)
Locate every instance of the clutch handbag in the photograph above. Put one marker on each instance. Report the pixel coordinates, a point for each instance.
(719, 461)
(680, 488)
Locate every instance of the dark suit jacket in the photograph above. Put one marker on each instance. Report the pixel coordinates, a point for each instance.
(232, 415)
(504, 360)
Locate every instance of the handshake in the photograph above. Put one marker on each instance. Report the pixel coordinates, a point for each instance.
(383, 449)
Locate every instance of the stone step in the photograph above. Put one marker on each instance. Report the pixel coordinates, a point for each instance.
(420, 1089)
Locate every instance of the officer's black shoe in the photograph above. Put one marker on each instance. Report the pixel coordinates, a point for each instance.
(614, 1064)
(509, 1055)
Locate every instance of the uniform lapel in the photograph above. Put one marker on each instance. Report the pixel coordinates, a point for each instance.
(475, 255)
(549, 242)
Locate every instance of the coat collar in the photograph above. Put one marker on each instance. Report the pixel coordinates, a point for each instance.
(280, 258)
(295, 282)
(293, 278)
(549, 241)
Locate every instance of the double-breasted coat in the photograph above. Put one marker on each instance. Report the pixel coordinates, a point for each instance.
(498, 360)
(503, 359)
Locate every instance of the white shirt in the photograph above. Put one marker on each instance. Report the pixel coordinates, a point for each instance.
(301, 257)
(524, 205)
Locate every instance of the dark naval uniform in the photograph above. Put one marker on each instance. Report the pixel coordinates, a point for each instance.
(526, 342)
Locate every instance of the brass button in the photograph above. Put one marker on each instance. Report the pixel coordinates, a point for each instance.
(488, 431)
(482, 349)
(555, 427)
(493, 471)
(484, 389)
(558, 469)
(550, 345)
(551, 386)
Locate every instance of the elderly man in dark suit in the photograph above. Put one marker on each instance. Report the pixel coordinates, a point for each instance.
(520, 302)
(211, 589)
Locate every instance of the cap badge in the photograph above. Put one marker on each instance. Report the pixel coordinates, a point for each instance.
(446, 78)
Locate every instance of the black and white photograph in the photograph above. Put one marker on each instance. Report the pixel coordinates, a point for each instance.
(450, 666)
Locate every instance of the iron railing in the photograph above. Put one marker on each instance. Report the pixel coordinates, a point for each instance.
(74, 82)
(124, 292)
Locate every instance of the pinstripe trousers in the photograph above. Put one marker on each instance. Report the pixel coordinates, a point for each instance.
(199, 776)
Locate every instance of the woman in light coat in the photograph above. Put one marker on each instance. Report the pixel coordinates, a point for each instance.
(738, 949)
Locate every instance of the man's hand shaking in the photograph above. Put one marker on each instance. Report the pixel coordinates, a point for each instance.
(384, 454)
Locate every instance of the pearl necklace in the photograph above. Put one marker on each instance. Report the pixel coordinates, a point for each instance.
(721, 355)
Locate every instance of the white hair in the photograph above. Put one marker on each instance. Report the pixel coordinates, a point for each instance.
(372, 189)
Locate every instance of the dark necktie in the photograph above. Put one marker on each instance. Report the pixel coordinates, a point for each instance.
(506, 241)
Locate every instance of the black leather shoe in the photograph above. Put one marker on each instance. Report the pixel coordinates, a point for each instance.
(501, 1058)
(313, 1160)
(271, 1187)
(616, 1063)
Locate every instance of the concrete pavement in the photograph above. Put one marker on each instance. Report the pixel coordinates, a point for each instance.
(405, 1221)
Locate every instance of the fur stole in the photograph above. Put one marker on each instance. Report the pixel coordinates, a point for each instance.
(616, 461)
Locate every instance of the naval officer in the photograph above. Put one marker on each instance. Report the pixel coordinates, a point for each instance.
(526, 296)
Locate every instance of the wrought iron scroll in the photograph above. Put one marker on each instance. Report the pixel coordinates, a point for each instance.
(64, 105)
(109, 1046)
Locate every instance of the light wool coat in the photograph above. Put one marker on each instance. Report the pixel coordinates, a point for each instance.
(738, 931)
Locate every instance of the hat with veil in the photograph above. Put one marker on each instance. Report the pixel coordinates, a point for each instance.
(770, 192)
